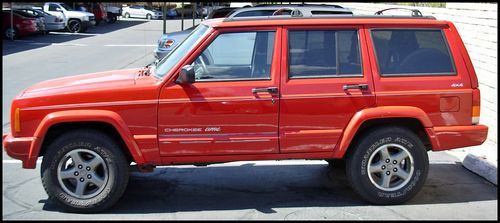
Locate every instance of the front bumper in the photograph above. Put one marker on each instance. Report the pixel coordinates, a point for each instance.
(86, 24)
(19, 148)
(451, 137)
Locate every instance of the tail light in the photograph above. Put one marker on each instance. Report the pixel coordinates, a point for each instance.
(168, 43)
(17, 121)
(476, 105)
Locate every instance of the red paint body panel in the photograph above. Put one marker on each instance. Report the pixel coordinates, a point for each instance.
(164, 123)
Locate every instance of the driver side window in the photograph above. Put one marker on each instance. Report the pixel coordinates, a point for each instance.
(236, 56)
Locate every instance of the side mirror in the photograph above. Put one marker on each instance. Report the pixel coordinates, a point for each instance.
(186, 76)
(59, 9)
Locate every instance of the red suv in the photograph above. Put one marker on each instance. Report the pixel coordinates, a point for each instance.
(376, 92)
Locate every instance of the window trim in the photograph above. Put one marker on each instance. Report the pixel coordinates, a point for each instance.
(275, 30)
(360, 56)
(454, 73)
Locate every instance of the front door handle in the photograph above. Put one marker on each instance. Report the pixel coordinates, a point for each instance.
(272, 90)
(356, 86)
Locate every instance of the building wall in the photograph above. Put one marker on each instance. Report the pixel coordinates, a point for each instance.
(477, 24)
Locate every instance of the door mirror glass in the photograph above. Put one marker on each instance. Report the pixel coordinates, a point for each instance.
(186, 75)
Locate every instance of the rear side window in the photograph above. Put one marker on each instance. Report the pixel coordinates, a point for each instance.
(323, 53)
(407, 52)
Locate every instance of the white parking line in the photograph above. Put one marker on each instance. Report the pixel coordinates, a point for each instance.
(74, 34)
(17, 161)
(128, 45)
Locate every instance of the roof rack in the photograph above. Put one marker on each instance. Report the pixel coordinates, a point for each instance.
(295, 12)
(306, 12)
(414, 12)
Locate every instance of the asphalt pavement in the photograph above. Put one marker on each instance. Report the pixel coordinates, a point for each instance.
(252, 190)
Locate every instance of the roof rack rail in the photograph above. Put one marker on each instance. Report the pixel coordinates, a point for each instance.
(279, 11)
(414, 12)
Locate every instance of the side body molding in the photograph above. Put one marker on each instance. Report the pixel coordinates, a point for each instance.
(84, 116)
(378, 113)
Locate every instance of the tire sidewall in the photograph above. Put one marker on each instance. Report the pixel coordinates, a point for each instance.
(53, 188)
(360, 174)
(79, 27)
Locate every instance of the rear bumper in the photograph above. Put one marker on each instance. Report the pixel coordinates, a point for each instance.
(19, 148)
(452, 137)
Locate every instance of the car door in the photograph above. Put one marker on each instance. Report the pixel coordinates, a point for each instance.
(325, 81)
(232, 107)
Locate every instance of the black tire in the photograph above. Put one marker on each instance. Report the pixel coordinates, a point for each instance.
(7, 32)
(112, 162)
(368, 155)
(75, 26)
(127, 15)
(149, 16)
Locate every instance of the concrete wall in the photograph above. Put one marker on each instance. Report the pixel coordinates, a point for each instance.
(477, 24)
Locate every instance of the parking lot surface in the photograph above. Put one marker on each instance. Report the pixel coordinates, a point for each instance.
(260, 190)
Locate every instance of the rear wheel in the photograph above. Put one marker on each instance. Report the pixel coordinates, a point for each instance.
(84, 171)
(127, 15)
(388, 166)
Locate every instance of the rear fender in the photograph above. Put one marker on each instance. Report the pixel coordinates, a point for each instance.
(378, 113)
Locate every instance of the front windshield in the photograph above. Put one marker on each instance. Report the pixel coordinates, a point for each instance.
(172, 58)
(66, 7)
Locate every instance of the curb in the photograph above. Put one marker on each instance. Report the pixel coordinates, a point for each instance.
(481, 167)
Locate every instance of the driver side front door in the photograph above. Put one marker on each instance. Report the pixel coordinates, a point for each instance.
(232, 107)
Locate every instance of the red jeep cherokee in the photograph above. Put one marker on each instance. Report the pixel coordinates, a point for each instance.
(376, 92)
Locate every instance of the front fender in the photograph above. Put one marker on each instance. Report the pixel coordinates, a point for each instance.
(84, 116)
(378, 113)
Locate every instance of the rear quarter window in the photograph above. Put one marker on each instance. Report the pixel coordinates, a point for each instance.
(412, 52)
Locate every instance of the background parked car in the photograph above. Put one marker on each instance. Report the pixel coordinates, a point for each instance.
(113, 13)
(75, 21)
(22, 25)
(52, 23)
(171, 12)
(40, 20)
(141, 11)
(188, 10)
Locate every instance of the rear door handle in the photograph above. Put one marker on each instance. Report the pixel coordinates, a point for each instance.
(273, 90)
(356, 86)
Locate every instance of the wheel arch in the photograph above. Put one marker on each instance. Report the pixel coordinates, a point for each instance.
(110, 121)
(412, 118)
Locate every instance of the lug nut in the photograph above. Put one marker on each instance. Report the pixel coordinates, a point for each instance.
(394, 162)
(80, 166)
(387, 161)
(395, 170)
(383, 167)
(81, 179)
(88, 168)
(388, 172)
(76, 173)
(89, 176)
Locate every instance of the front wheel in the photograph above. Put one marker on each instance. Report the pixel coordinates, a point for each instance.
(84, 171)
(75, 26)
(388, 166)
(149, 16)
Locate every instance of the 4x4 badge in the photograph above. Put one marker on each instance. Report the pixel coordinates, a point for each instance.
(457, 85)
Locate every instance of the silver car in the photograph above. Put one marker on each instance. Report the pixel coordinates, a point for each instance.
(140, 11)
(52, 23)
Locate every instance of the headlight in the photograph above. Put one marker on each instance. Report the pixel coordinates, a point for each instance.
(85, 18)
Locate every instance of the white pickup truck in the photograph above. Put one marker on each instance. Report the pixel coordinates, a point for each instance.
(75, 21)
